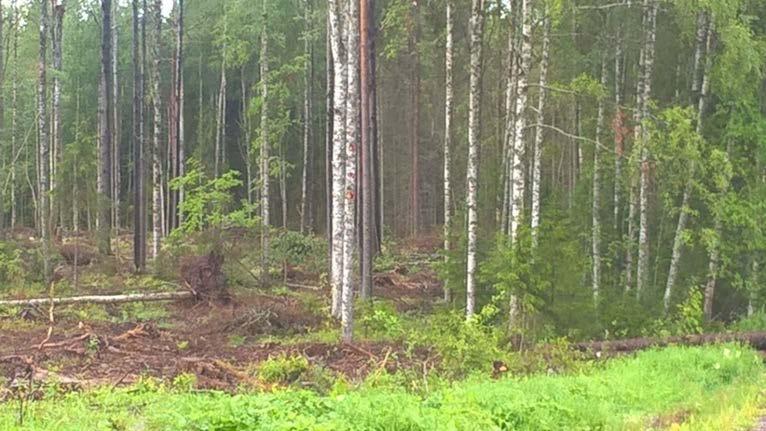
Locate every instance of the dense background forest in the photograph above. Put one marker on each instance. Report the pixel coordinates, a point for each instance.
(585, 167)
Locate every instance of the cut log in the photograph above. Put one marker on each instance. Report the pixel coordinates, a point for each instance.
(756, 340)
(101, 299)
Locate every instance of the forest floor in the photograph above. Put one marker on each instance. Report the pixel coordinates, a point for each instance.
(177, 362)
(219, 342)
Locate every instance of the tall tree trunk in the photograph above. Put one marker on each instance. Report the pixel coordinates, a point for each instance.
(538, 147)
(139, 199)
(643, 230)
(619, 136)
(157, 218)
(308, 90)
(415, 118)
(510, 119)
(448, 110)
(369, 195)
(337, 36)
(57, 37)
(264, 165)
(352, 143)
(474, 140)
(179, 90)
(700, 82)
(247, 144)
(596, 204)
(220, 129)
(517, 167)
(116, 178)
(329, 90)
(42, 131)
(105, 189)
(14, 113)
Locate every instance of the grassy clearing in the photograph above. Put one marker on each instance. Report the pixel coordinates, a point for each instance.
(687, 388)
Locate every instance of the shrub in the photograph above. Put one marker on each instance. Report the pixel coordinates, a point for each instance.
(283, 369)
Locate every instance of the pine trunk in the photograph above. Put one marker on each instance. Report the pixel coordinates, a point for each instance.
(139, 199)
(308, 83)
(57, 37)
(105, 189)
(368, 198)
(116, 178)
(596, 203)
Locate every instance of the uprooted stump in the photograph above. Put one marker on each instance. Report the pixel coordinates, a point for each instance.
(77, 253)
(204, 276)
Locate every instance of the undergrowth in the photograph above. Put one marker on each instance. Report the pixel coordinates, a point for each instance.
(669, 388)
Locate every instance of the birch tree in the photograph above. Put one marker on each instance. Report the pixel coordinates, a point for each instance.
(308, 88)
(105, 111)
(448, 112)
(699, 81)
(517, 168)
(157, 218)
(264, 156)
(538, 145)
(474, 136)
(642, 267)
(57, 28)
(337, 33)
(596, 198)
(42, 131)
(352, 143)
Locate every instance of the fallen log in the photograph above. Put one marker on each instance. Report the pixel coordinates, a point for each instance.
(756, 340)
(100, 299)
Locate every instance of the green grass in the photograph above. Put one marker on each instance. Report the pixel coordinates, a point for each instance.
(710, 388)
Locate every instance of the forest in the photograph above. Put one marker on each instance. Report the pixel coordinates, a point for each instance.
(382, 214)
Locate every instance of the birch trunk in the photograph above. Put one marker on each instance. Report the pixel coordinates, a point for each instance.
(518, 179)
(596, 203)
(180, 111)
(329, 90)
(702, 84)
(264, 157)
(42, 130)
(115, 125)
(337, 33)
(619, 137)
(352, 142)
(307, 122)
(448, 109)
(517, 167)
(415, 118)
(14, 114)
(157, 218)
(538, 146)
(220, 128)
(58, 32)
(474, 137)
(643, 230)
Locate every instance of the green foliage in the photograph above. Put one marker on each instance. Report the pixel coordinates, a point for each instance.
(379, 318)
(703, 382)
(283, 369)
(209, 202)
(296, 249)
(12, 270)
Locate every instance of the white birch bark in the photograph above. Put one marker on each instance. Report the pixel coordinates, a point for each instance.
(538, 147)
(338, 151)
(448, 100)
(522, 90)
(265, 143)
(307, 95)
(157, 218)
(352, 143)
(472, 175)
(596, 203)
(701, 83)
(517, 167)
(643, 230)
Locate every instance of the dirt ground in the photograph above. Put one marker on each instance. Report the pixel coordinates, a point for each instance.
(196, 337)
